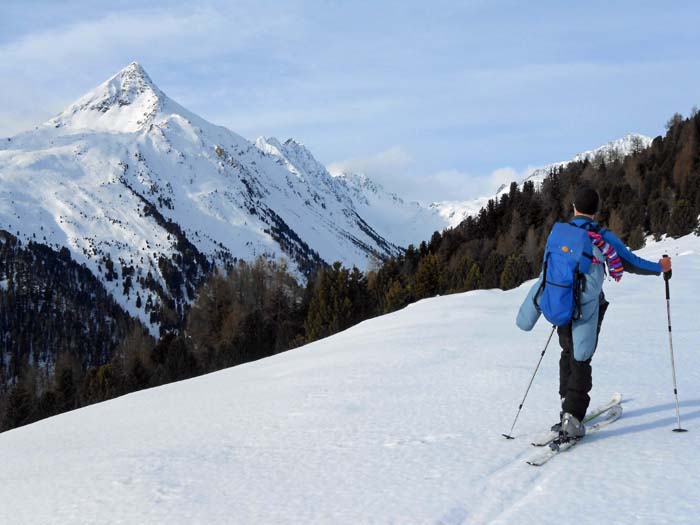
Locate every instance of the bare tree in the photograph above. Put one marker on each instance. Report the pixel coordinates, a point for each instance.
(676, 119)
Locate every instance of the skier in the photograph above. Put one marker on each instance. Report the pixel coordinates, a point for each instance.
(578, 337)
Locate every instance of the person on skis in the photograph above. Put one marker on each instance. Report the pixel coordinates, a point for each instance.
(578, 336)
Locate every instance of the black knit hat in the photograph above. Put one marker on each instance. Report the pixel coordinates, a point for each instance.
(586, 200)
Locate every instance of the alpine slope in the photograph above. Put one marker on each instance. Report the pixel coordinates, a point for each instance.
(149, 196)
(396, 420)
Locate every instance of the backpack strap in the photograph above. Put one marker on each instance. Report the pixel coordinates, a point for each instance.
(539, 290)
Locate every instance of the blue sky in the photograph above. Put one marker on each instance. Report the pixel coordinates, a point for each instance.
(437, 100)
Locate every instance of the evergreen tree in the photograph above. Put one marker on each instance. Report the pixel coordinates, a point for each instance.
(396, 297)
(429, 277)
(473, 279)
(636, 239)
(18, 407)
(66, 383)
(458, 275)
(331, 307)
(659, 217)
(491, 276)
(683, 219)
(515, 271)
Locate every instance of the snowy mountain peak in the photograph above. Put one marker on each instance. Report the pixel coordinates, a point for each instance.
(126, 102)
(294, 156)
(271, 146)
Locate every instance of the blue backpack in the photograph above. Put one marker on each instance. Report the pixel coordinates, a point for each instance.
(567, 258)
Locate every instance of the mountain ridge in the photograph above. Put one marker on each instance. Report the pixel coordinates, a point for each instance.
(149, 195)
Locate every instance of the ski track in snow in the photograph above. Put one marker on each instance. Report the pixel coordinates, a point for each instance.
(397, 420)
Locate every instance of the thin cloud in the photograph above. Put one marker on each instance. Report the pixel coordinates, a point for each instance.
(132, 32)
(384, 165)
(450, 184)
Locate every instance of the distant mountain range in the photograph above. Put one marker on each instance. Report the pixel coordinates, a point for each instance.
(150, 197)
(454, 212)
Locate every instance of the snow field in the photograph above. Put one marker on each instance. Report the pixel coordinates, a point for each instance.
(396, 420)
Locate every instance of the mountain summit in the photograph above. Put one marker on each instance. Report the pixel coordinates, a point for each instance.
(126, 103)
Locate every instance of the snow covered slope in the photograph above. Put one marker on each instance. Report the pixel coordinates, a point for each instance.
(397, 420)
(455, 212)
(390, 216)
(148, 195)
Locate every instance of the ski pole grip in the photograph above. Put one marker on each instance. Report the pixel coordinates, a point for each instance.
(667, 275)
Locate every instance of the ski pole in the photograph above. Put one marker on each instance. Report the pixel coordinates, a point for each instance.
(667, 277)
(508, 435)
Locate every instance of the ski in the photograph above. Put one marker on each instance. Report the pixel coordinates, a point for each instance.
(546, 439)
(539, 459)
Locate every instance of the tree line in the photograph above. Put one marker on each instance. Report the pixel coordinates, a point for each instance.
(253, 310)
